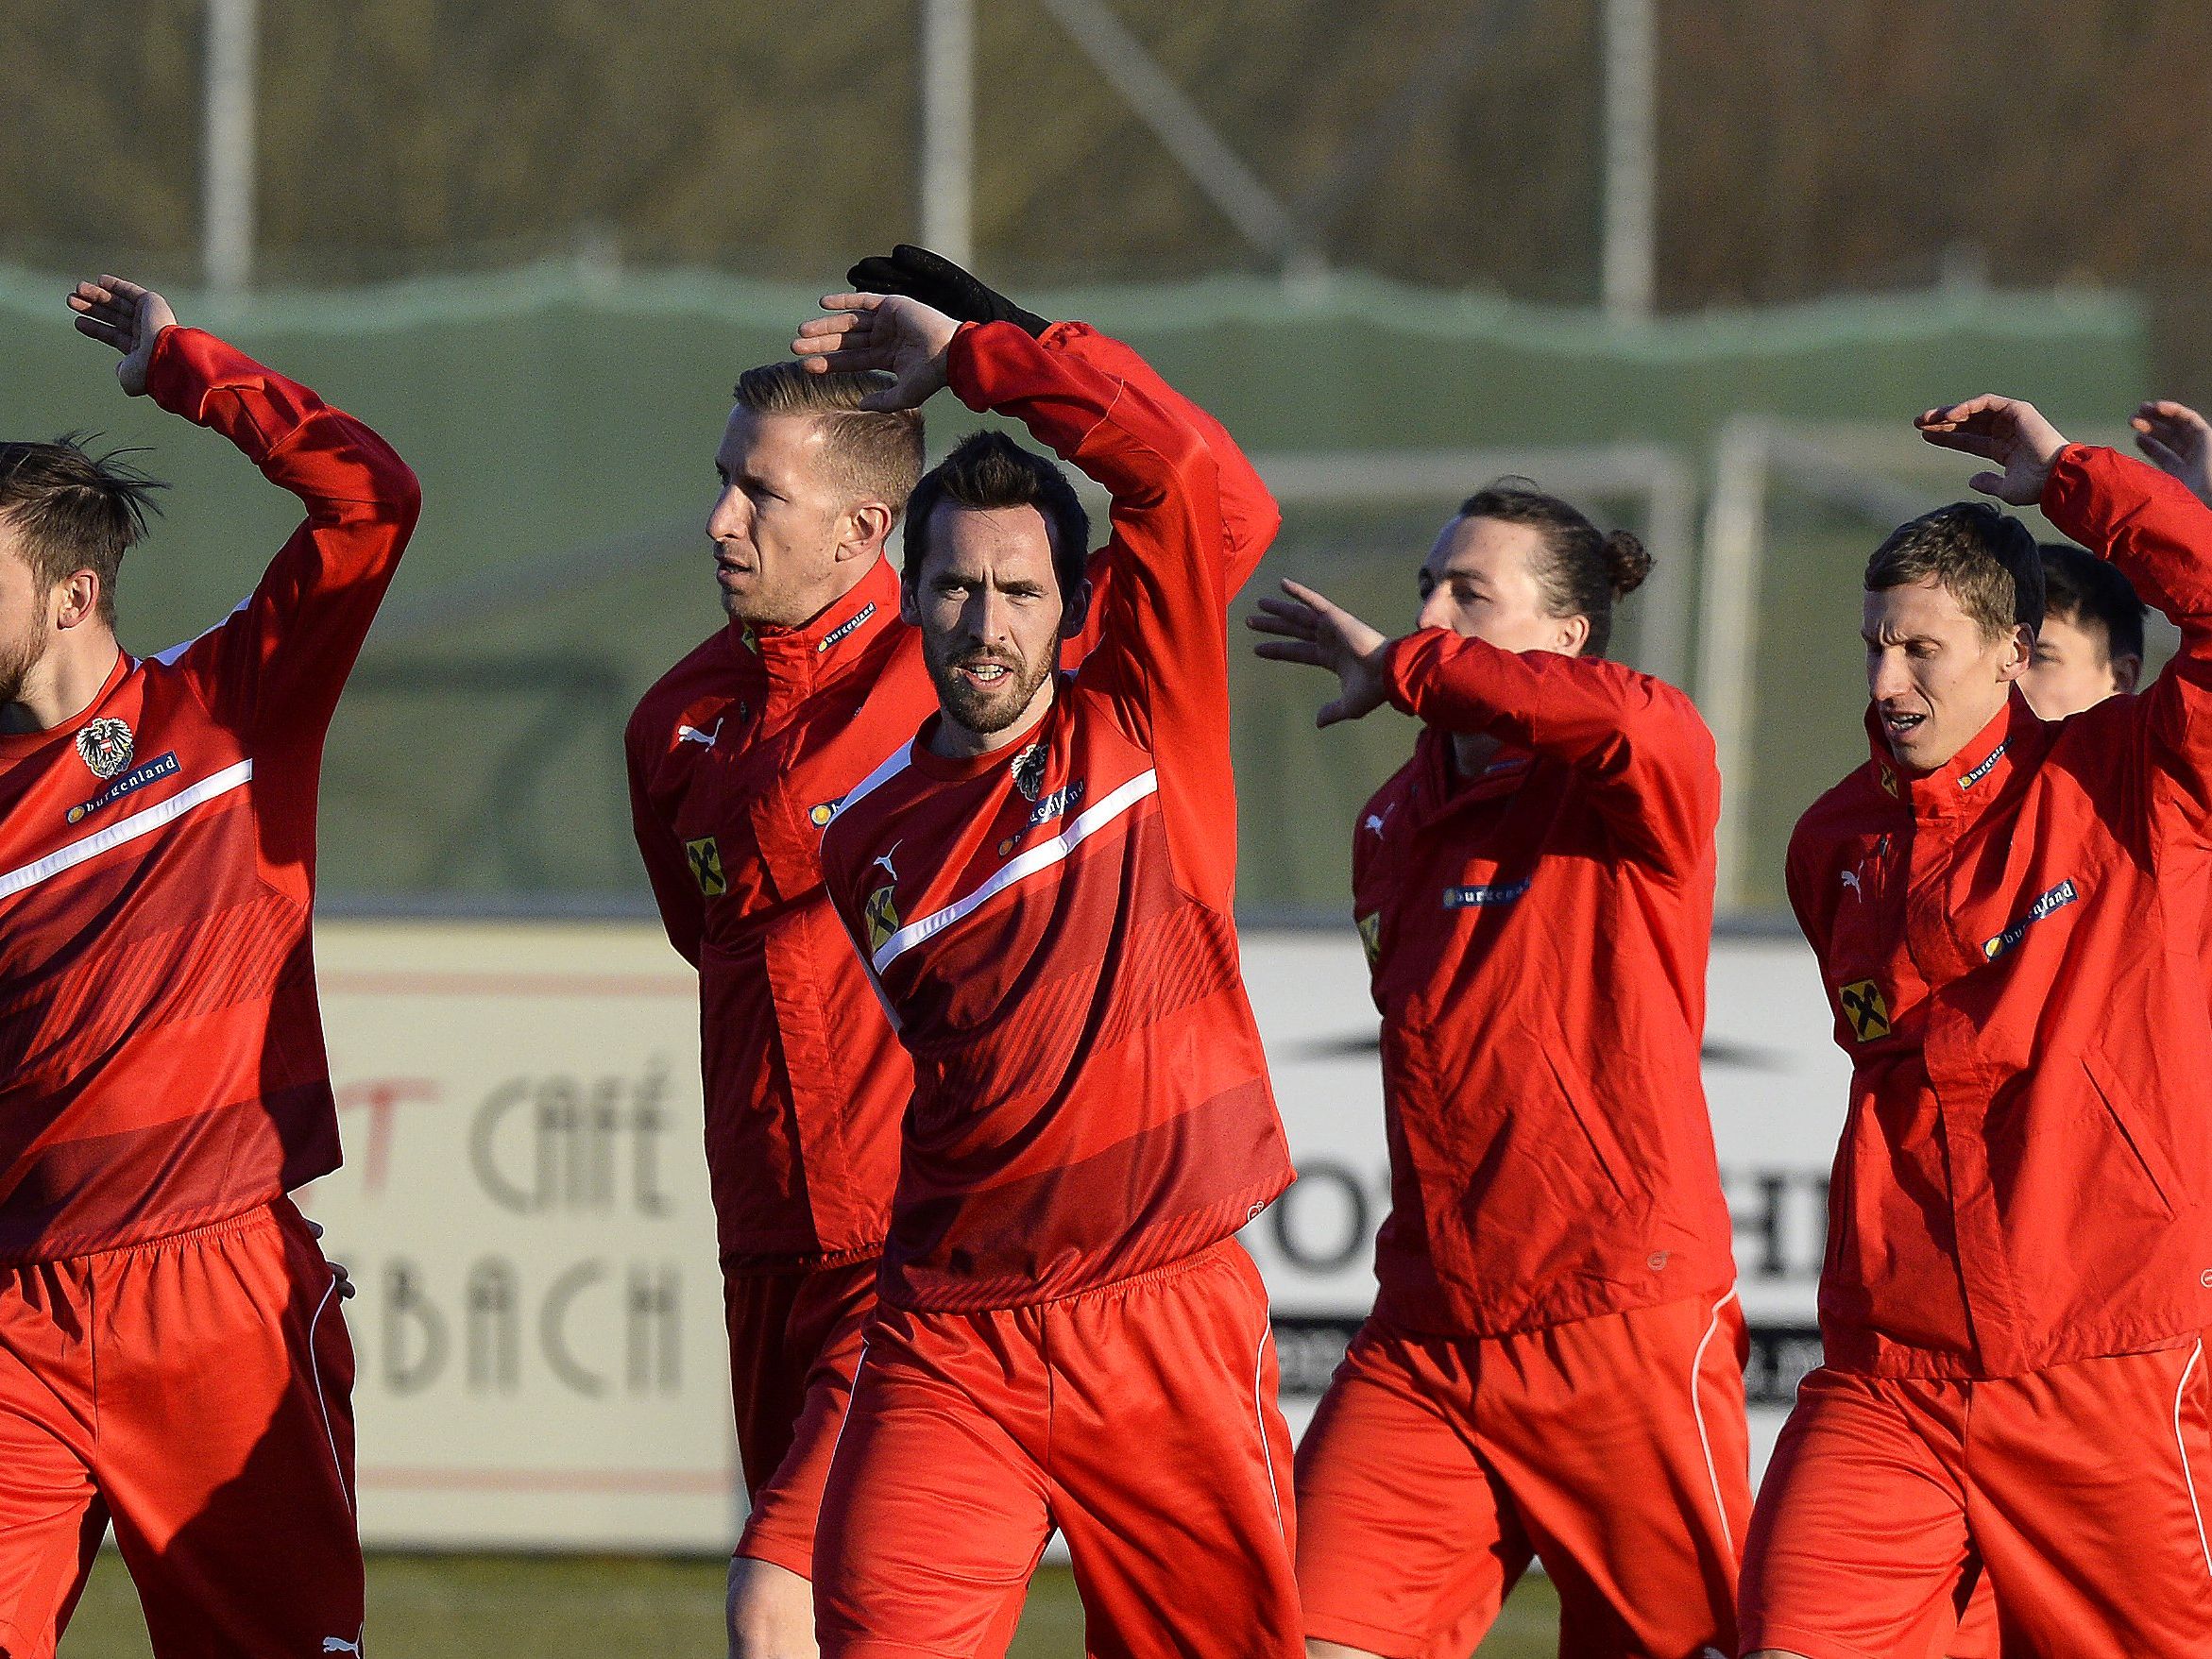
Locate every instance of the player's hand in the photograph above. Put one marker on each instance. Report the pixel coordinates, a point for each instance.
(1324, 635)
(939, 283)
(885, 331)
(125, 316)
(2179, 440)
(2003, 430)
(314, 1230)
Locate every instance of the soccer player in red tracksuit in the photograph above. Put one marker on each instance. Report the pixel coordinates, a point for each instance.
(2089, 647)
(2009, 915)
(172, 1356)
(736, 758)
(1554, 1367)
(1040, 883)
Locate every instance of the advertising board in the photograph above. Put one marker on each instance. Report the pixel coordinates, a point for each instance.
(524, 1210)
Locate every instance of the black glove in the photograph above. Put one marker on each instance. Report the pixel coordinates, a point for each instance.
(941, 285)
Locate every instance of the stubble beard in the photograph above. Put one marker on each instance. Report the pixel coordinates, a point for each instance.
(18, 657)
(787, 602)
(983, 712)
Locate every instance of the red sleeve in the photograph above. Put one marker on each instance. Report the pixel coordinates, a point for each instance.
(682, 909)
(1162, 656)
(276, 665)
(1250, 516)
(1801, 879)
(2159, 535)
(1637, 739)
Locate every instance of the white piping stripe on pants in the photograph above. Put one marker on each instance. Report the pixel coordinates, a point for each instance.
(851, 1393)
(1697, 1410)
(2189, 1480)
(1260, 1415)
(315, 1372)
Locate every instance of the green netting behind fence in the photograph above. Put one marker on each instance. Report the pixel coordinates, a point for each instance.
(564, 424)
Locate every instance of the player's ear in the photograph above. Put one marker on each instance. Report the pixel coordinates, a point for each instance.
(2127, 672)
(910, 609)
(867, 528)
(2018, 652)
(77, 598)
(1574, 634)
(1076, 610)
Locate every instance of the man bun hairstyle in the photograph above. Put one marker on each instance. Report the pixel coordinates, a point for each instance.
(2081, 588)
(1584, 571)
(74, 511)
(990, 469)
(872, 454)
(1986, 560)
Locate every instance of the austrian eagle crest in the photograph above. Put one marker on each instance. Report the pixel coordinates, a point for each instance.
(105, 745)
(1028, 771)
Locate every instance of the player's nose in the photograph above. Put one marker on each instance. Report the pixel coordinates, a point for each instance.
(728, 518)
(991, 618)
(1887, 675)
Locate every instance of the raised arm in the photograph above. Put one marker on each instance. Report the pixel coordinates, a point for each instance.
(1163, 615)
(2160, 536)
(1250, 516)
(276, 663)
(1162, 660)
(1637, 740)
(2154, 529)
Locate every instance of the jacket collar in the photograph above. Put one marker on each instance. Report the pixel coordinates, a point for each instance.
(1443, 788)
(794, 660)
(1963, 786)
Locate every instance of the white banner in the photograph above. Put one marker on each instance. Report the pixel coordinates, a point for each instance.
(525, 1208)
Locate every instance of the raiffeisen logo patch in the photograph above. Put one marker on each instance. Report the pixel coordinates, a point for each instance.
(2058, 898)
(138, 777)
(1497, 892)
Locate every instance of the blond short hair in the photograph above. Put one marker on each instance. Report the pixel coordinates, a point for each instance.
(872, 454)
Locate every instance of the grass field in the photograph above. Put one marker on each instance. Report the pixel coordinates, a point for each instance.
(494, 1607)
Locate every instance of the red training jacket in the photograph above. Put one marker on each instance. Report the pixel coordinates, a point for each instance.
(2014, 947)
(1049, 924)
(162, 1060)
(1537, 937)
(736, 757)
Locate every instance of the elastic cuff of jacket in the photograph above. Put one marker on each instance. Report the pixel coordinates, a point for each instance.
(962, 373)
(1396, 674)
(172, 375)
(2064, 477)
